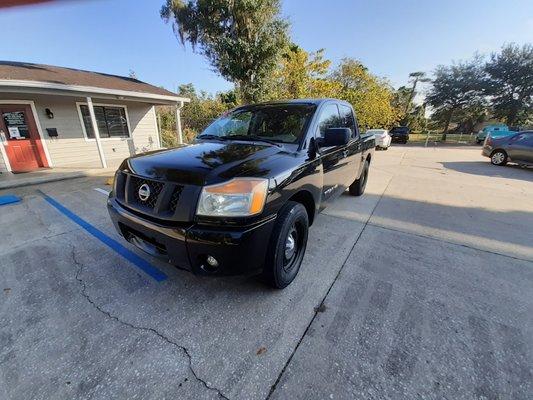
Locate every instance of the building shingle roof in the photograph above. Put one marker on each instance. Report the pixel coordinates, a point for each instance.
(22, 71)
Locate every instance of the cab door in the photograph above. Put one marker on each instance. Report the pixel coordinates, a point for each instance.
(520, 147)
(335, 158)
(353, 150)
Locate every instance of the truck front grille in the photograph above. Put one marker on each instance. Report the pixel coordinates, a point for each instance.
(155, 188)
(163, 202)
(175, 198)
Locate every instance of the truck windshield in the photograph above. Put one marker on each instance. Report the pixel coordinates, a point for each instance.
(280, 123)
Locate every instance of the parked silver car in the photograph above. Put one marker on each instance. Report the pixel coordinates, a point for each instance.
(516, 148)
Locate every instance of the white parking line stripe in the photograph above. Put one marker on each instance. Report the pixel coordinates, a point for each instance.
(103, 191)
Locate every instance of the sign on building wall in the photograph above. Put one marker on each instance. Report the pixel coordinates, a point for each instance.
(16, 124)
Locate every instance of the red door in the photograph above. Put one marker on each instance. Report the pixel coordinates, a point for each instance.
(23, 146)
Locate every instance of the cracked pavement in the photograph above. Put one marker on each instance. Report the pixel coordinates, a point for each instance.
(420, 289)
(142, 328)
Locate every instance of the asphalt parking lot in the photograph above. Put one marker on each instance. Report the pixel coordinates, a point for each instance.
(423, 288)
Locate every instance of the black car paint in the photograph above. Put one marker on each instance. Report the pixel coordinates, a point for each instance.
(400, 134)
(302, 172)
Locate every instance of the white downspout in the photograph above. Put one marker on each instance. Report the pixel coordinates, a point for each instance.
(178, 122)
(96, 132)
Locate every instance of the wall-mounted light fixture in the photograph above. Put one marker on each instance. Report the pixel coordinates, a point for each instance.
(49, 113)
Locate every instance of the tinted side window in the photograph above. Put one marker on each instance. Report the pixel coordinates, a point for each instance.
(525, 139)
(348, 120)
(329, 118)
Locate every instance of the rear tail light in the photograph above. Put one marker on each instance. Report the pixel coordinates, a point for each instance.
(488, 141)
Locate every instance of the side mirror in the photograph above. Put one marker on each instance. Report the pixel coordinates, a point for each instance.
(336, 137)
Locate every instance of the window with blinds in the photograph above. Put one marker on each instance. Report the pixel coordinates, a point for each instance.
(111, 121)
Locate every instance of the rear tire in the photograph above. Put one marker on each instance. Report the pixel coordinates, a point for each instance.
(358, 187)
(287, 245)
(498, 157)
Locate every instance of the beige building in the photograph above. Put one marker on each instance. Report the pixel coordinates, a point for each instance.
(53, 117)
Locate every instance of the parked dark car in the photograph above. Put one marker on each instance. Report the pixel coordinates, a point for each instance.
(400, 134)
(240, 199)
(517, 148)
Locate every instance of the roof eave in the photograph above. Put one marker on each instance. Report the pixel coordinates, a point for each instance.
(91, 90)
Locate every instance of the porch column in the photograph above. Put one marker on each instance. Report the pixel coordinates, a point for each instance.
(178, 122)
(96, 132)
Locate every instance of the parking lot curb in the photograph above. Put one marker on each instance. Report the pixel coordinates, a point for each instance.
(52, 177)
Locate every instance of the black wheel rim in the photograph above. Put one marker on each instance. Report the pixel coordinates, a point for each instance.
(293, 246)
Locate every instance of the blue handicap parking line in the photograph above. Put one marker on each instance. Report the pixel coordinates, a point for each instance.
(9, 199)
(112, 243)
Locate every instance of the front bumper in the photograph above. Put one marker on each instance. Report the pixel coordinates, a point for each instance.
(383, 141)
(486, 151)
(400, 138)
(239, 250)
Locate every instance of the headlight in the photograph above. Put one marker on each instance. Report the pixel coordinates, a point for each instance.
(240, 197)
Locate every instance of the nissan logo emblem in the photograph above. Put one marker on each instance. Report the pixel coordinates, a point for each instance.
(144, 192)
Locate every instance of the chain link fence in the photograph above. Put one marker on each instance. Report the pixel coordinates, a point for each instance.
(435, 138)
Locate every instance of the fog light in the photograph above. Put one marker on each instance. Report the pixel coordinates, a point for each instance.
(212, 261)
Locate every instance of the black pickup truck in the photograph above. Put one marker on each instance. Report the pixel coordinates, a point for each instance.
(240, 198)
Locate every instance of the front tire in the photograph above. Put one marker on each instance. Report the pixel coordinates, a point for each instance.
(498, 157)
(288, 242)
(358, 187)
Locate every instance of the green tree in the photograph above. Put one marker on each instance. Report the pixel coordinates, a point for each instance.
(187, 90)
(242, 39)
(303, 75)
(400, 98)
(468, 117)
(195, 115)
(414, 78)
(370, 96)
(510, 83)
(455, 88)
(415, 117)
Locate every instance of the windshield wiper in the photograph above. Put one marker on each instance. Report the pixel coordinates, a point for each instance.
(209, 136)
(253, 138)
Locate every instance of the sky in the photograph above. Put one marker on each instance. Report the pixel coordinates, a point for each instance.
(392, 38)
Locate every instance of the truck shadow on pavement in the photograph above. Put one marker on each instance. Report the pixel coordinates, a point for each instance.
(508, 232)
(510, 171)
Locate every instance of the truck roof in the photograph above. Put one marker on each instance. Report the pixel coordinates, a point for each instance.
(303, 101)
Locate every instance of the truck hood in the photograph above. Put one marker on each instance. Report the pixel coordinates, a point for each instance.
(204, 163)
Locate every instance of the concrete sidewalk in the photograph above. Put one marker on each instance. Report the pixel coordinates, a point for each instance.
(45, 175)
